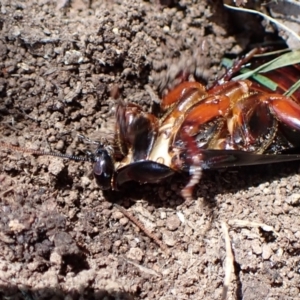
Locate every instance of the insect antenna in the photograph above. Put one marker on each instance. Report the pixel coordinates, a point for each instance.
(89, 158)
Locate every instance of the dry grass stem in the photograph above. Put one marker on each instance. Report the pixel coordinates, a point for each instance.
(229, 261)
(245, 223)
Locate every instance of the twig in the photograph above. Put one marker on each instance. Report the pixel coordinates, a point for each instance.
(135, 221)
(142, 268)
(245, 223)
(229, 266)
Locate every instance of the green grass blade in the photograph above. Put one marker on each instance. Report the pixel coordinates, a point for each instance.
(292, 89)
(283, 60)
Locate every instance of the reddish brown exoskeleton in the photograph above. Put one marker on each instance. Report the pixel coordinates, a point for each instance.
(234, 123)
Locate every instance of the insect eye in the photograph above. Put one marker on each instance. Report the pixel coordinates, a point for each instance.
(103, 169)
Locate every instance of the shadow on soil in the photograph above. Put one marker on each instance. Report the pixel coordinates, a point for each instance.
(231, 180)
(15, 292)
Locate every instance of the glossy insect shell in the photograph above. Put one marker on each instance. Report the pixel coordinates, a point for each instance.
(233, 123)
(103, 168)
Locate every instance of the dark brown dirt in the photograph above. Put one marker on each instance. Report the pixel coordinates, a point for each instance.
(60, 238)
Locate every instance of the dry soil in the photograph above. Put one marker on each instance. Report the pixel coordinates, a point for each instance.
(60, 237)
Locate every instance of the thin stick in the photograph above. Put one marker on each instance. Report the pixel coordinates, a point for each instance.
(135, 221)
(245, 223)
(229, 260)
(142, 268)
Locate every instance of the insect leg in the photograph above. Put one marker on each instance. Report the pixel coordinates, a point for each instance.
(209, 109)
(192, 159)
(179, 92)
(195, 176)
(237, 66)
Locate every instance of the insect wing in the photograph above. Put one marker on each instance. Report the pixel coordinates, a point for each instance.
(214, 159)
(143, 172)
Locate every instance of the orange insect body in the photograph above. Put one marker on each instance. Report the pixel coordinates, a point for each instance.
(198, 127)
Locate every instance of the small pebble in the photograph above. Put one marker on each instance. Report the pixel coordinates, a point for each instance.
(266, 251)
(55, 258)
(163, 215)
(60, 145)
(168, 238)
(256, 246)
(117, 215)
(123, 221)
(56, 166)
(173, 222)
(85, 181)
(135, 254)
(294, 199)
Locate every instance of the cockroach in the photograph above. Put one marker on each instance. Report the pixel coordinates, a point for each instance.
(232, 123)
